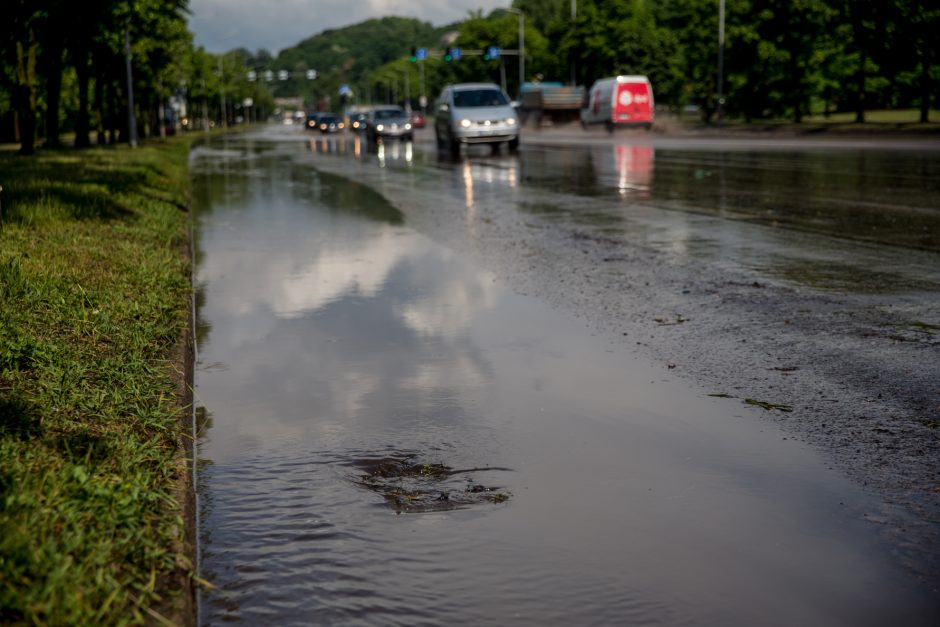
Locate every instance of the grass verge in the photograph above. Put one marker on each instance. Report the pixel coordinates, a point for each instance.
(94, 296)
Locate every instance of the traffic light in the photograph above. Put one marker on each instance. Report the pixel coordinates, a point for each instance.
(491, 53)
(414, 54)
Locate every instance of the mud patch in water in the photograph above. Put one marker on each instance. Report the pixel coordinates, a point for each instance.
(410, 485)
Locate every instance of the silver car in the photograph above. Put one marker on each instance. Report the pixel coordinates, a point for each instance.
(475, 113)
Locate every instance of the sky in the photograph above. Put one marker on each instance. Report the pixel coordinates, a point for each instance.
(221, 25)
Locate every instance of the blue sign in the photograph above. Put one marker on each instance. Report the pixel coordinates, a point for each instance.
(455, 54)
(344, 90)
(421, 54)
(492, 52)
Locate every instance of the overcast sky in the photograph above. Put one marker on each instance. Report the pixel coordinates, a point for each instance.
(221, 25)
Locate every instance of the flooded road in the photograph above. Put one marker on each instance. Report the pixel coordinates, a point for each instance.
(335, 336)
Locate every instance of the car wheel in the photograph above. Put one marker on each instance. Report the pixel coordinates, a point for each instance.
(408, 138)
(513, 144)
(610, 127)
(454, 146)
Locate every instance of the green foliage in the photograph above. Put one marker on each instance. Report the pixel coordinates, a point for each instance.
(346, 55)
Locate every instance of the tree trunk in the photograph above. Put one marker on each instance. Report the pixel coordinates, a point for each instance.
(24, 92)
(925, 80)
(860, 89)
(99, 110)
(53, 64)
(112, 114)
(81, 119)
(858, 28)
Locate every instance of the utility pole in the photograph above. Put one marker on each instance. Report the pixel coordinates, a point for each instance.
(407, 91)
(521, 47)
(574, 20)
(423, 101)
(222, 90)
(205, 106)
(721, 58)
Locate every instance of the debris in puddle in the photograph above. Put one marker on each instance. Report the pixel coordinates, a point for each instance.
(411, 486)
(721, 395)
(664, 322)
(768, 406)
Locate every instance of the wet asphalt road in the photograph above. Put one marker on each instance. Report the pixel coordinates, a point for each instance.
(799, 272)
(696, 367)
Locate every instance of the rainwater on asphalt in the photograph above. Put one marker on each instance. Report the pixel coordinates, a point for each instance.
(333, 337)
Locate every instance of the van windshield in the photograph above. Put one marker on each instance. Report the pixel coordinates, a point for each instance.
(479, 98)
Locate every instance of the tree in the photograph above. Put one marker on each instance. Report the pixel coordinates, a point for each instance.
(19, 37)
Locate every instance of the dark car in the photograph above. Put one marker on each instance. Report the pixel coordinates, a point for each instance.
(330, 123)
(358, 121)
(313, 119)
(389, 121)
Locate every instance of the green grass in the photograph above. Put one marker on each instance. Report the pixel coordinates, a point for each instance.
(881, 119)
(93, 303)
(882, 116)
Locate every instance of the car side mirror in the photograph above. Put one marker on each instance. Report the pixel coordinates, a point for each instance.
(515, 104)
(444, 107)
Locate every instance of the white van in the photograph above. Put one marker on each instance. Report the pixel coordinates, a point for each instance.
(620, 101)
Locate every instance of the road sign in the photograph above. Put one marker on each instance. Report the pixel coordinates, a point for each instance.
(268, 75)
(311, 75)
(252, 76)
(282, 75)
(491, 53)
(453, 54)
(421, 54)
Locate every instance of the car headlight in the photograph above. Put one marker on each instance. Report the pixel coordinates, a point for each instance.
(340, 125)
(323, 127)
(511, 121)
(311, 124)
(380, 127)
(465, 123)
(355, 124)
(407, 125)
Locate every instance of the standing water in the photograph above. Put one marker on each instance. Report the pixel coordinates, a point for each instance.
(391, 437)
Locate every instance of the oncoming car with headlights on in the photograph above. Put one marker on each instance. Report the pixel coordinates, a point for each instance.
(475, 113)
(388, 122)
(330, 123)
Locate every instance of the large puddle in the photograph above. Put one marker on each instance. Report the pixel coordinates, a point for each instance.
(391, 437)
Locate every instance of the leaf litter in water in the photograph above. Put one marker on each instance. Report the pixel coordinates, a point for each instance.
(409, 485)
(768, 406)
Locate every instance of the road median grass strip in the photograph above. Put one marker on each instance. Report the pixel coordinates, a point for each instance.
(94, 293)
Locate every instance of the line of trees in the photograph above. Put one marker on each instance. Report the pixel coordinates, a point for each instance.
(782, 58)
(63, 68)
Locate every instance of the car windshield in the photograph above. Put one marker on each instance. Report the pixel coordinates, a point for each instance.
(388, 114)
(479, 98)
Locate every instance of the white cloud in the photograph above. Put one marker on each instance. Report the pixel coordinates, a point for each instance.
(221, 25)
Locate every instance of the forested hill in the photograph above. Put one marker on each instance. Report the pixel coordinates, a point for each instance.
(343, 55)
